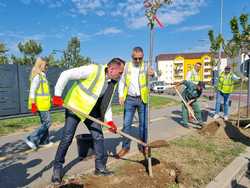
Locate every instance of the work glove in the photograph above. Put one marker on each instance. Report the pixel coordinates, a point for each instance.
(113, 127)
(33, 108)
(57, 101)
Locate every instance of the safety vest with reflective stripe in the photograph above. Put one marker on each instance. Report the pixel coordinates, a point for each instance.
(84, 93)
(226, 83)
(42, 95)
(142, 81)
(195, 78)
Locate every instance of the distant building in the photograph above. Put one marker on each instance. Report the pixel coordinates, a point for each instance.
(174, 67)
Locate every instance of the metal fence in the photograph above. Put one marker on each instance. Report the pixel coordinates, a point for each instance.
(14, 89)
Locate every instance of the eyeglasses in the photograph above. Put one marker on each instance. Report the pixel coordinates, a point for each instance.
(137, 58)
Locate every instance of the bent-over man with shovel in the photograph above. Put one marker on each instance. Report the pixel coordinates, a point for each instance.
(91, 94)
(190, 94)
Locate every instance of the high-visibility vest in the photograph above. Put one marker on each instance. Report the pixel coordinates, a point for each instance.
(142, 81)
(84, 93)
(226, 83)
(42, 95)
(195, 78)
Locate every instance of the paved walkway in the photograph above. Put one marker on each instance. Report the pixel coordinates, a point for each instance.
(20, 167)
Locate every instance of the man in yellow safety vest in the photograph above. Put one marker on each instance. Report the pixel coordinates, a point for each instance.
(194, 74)
(224, 89)
(133, 94)
(91, 94)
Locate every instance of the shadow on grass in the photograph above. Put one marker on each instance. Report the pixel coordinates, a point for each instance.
(236, 135)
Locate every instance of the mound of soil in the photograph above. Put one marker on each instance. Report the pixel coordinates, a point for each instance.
(134, 175)
(211, 128)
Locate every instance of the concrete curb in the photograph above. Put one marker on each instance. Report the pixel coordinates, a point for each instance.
(232, 174)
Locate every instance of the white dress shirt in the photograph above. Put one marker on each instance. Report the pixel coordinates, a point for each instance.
(189, 74)
(80, 73)
(134, 88)
(34, 85)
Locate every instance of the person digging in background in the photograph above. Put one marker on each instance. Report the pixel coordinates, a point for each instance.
(91, 94)
(190, 94)
(224, 89)
(39, 102)
(194, 74)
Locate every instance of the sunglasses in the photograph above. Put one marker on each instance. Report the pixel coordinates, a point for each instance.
(137, 58)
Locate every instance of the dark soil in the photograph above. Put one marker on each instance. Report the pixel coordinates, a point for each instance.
(133, 175)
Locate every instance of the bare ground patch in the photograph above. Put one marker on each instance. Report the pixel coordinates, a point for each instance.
(190, 161)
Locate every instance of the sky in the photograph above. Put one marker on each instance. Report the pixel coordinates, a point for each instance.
(111, 28)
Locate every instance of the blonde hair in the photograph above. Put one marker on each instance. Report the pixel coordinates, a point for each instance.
(37, 68)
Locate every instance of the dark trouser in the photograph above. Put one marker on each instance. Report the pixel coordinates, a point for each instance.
(41, 135)
(68, 133)
(131, 104)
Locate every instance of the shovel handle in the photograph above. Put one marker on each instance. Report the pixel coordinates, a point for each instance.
(185, 103)
(105, 125)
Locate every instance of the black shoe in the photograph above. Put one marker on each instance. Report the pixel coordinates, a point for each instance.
(103, 172)
(57, 176)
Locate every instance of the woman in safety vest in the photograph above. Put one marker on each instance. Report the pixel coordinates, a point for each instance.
(39, 101)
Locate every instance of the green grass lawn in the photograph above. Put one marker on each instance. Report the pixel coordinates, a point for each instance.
(25, 123)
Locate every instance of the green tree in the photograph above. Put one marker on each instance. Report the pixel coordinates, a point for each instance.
(215, 44)
(52, 61)
(72, 57)
(30, 49)
(3, 58)
(240, 42)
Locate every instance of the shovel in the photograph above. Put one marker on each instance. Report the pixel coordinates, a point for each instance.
(190, 110)
(154, 144)
(106, 125)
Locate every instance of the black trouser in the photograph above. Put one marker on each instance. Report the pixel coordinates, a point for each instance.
(95, 129)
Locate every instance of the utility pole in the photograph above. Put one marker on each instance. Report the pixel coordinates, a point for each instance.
(221, 21)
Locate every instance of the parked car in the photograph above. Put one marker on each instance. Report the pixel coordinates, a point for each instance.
(158, 86)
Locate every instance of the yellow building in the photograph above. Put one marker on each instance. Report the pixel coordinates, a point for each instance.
(174, 67)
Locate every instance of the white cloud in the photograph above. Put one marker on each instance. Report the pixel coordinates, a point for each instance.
(100, 13)
(86, 6)
(133, 12)
(195, 28)
(109, 30)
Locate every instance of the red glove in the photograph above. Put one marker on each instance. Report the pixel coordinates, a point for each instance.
(113, 127)
(33, 108)
(57, 101)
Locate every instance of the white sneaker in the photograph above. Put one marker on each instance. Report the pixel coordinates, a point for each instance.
(226, 118)
(216, 116)
(31, 144)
